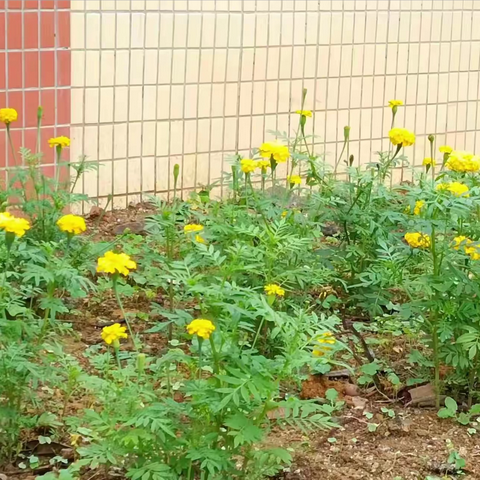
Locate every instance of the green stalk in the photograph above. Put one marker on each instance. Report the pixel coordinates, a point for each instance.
(216, 362)
(260, 326)
(433, 320)
(200, 343)
(58, 150)
(246, 189)
(120, 304)
(4, 280)
(39, 124)
(11, 143)
(116, 349)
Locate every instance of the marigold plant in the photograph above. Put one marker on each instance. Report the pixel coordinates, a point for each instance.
(418, 240)
(274, 289)
(277, 151)
(456, 188)
(114, 333)
(201, 327)
(402, 136)
(115, 263)
(73, 224)
(15, 225)
(62, 142)
(8, 115)
(192, 228)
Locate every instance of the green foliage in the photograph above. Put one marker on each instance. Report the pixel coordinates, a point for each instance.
(202, 405)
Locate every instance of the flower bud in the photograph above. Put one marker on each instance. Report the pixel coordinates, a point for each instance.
(176, 171)
(346, 132)
(431, 138)
(141, 358)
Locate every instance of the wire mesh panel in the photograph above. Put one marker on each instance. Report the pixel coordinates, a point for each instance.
(155, 83)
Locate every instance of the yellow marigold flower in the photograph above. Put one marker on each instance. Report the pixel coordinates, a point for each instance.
(12, 224)
(263, 164)
(8, 115)
(274, 289)
(305, 113)
(417, 240)
(469, 246)
(63, 142)
(401, 136)
(445, 149)
(192, 228)
(326, 337)
(201, 327)
(278, 151)
(295, 179)
(395, 103)
(460, 161)
(459, 240)
(199, 239)
(114, 263)
(428, 162)
(284, 213)
(457, 188)
(72, 224)
(113, 333)
(248, 165)
(320, 353)
(474, 255)
(418, 207)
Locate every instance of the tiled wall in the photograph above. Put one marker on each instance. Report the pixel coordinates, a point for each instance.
(35, 70)
(156, 83)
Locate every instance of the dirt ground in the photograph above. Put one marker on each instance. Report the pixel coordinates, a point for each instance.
(411, 446)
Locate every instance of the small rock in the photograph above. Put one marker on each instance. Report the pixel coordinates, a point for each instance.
(331, 229)
(95, 211)
(67, 453)
(138, 228)
(356, 402)
(352, 390)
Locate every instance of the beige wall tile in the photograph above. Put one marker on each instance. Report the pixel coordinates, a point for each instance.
(105, 142)
(149, 102)
(78, 68)
(123, 30)
(77, 30)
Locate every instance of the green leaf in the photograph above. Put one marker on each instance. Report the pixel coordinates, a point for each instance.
(331, 395)
(370, 368)
(372, 427)
(445, 413)
(463, 418)
(475, 410)
(451, 404)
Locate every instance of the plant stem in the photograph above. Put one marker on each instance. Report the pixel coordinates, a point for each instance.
(118, 358)
(4, 283)
(434, 319)
(216, 362)
(120, 304)
(200, 343)
(11, 143)
(436, 361)
(260, 326)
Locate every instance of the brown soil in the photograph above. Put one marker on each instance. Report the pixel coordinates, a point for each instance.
(411, 446)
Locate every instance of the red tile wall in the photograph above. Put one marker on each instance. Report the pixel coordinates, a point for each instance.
(35, 64)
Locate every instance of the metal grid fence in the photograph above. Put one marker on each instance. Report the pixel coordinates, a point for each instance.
(156, 83)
